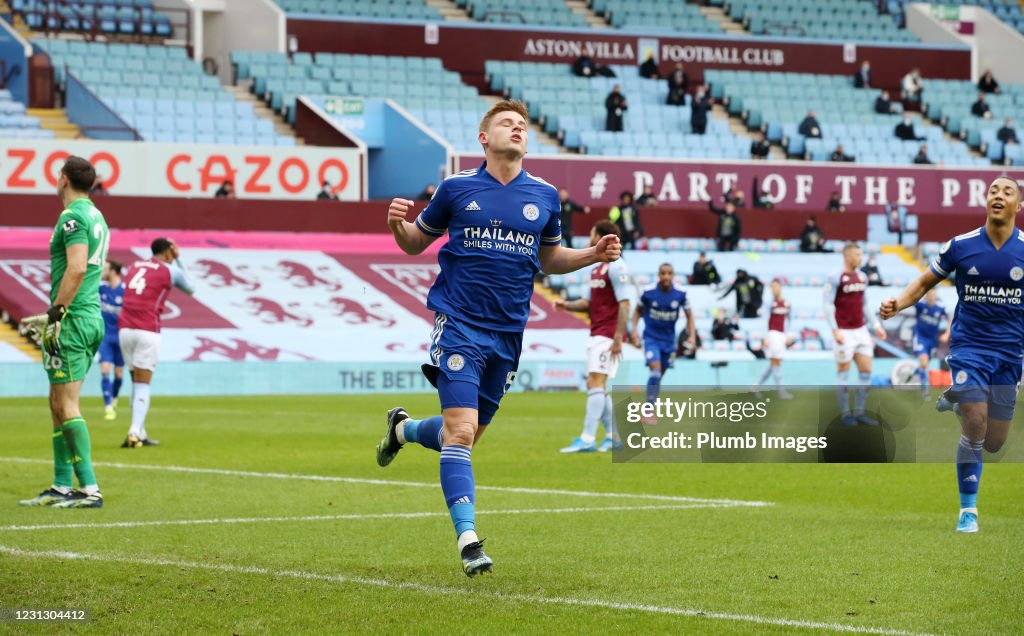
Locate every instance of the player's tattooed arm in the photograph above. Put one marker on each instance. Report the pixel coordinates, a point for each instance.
(581, 304)
(910, 296)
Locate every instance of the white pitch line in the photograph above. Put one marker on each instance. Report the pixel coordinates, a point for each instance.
(471, 592)
(356, 517)
(410, 484)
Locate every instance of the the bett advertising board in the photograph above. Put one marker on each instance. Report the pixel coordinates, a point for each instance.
(185, 170)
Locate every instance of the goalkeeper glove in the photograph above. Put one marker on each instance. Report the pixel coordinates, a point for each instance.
(51, 335)
(34, 324)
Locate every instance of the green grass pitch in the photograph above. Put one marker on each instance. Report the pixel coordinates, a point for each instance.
(861, 548)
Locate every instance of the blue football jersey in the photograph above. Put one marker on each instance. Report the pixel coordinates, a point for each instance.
(492, 255)
(928, 320)
(661, 312)
(989, 317)
(110, 305)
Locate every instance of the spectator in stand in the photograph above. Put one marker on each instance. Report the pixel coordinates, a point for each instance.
(749, 291)
(812, 239)
(911, 88)
(616, 105)
(1007, 134)
(884, 105)
(569, 208)
(988, 83)
(729, 226)
(704, 271)
(684, 347)
(326, 192)
(678, 82)
(870, 270)
(810, 127)
(762, 198)
(921, 158)
(905, 129)
(724, 327)
(980, 108)
(428, 192)
(584, 67)
(647, 198)
(97, 188)
(699, 111)
(835, 204)
(840, 155)
(862, 78)
(736, 197)
(649, 69)
(627, 217)
(759, 148)
(225, 191)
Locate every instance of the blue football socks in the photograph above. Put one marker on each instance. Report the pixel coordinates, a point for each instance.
(653, 386)
(458, 486)
(428, 433)
(861, 397)
(108, 393)
(968, 471)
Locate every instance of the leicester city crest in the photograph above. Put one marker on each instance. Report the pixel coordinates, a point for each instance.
(531, 212)
(456, 362)
(1017, 273)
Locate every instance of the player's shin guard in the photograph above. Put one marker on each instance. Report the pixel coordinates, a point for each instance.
(63, 473)
(76, 436)
(863, 386)
(428, 433)
(116, 388)
(608, 417)
(108, 390)
(653, 386)
(457, 485)
(843, 391)
(595, 407)
(140, 407)
(968, 471)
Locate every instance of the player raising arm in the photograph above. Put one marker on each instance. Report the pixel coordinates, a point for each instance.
(503, 227)
(987, 341)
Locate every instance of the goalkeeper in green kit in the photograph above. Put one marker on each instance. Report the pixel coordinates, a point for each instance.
(72, 330)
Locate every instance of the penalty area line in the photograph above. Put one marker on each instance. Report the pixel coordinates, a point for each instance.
(354, 517)
(445, 590)
(408, 484)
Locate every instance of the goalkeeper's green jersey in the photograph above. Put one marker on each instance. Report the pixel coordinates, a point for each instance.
(82, 223)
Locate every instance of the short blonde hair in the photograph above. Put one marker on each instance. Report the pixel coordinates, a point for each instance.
(851, 245)
(513, 105)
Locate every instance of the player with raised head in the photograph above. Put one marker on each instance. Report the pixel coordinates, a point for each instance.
(776, 341)
(659, 307)
(987, 342)
(929, 313)
(846, 311)
(111, 297)
(72, 329)
(503, 227)
(611, 293)
(147, 284)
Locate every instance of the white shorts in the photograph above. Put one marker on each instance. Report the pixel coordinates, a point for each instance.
(855, 342)
(599, 360)
(775, 345)
(140, 348)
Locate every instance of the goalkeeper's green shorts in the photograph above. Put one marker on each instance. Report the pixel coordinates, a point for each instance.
(80, 338)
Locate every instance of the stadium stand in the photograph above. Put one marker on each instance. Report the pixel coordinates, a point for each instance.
(545, 12)
(655, 16)
(779, 101)
(823, 19)
(113, 17)
(415, 83)
(161, 93)
(573, 108)
(389, 9)
(15, 124)
(948, 103)
(1008, 11)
